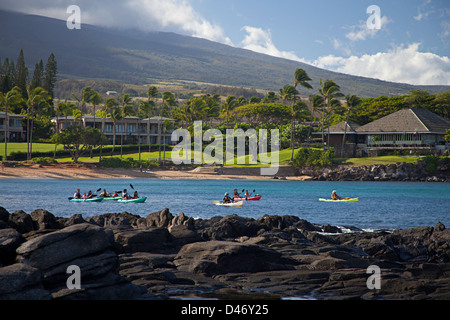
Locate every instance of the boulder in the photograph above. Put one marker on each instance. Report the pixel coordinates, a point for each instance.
(10, 240)
(152, 239)
(181, 235)
(44, 220)
(21, 221)
(220, 257)
(22, 282)
(160, 219)
(231, 227)
(64, 246)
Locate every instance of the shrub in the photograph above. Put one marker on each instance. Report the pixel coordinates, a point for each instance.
(313, 157)
(431, 163)
(115, 162)
(44, 160)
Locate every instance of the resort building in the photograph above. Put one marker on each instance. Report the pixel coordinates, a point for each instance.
(407, 129)
(133, 129)
(16, 132)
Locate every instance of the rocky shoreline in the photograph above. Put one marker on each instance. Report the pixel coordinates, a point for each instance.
(162, 256)
(392, 172)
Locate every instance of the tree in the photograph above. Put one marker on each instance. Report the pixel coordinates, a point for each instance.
(38, 75)
(11, 98)
(351, 103)
(329, 90)
(167, 125)
(125, 110)
(51, 70)
(95, 99)
(78, 140)
(36, 97)
(21, 74)
(301, 78)
(229, 104)
(316, 102)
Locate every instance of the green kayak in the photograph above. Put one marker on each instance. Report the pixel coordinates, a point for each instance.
(112, 198)
(138, 200)
(343, 200)
(86, 200)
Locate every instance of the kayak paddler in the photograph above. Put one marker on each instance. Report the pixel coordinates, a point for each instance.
(226, 198)
(77, 194)
(104, 194)
(334, 196)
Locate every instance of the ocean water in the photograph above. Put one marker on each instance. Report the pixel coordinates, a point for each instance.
(382, 205)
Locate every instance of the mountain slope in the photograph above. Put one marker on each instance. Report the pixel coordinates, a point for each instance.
(134, 56)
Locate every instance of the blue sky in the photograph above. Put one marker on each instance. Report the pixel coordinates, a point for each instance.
(412, 45)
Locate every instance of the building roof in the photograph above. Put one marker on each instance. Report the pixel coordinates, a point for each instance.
(2, 114)
(407, 120)
(340, 127)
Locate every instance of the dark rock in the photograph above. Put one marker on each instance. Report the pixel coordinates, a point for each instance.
(22, 282)
(44, 220)
(143, 240)
(10, 240)
(160, 219)
(231, 227)
(181, 235)
(75, 219)
(4, 214)
(21, 221)
(219, 257)
(64, 246)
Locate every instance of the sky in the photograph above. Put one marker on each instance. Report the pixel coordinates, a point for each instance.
(404, 41)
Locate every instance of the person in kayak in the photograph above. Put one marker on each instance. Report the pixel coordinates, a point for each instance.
(135, 195)
(236, 194)
(334, 196)
(125, 195)
(84, 196)
(247, 194)
(77, 194)
(226, 198)
(90, 195)
(105, 194)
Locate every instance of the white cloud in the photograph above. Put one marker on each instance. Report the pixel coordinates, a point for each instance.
(147, 15)
(362, 32)
(423, 11)
(260, 40)
(401, 64)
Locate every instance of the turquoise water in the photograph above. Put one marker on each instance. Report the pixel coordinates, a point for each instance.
(382, 205)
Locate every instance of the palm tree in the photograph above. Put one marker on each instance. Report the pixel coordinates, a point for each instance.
(126, 110)
(351, 103)
(301, 78)
(167, 125)
(95, 98)
(316, 102)
(329, 90)
(289, 93)
(36, 97)
(111, 107)
(115, 115)
(10, 99)
(299, 111)
(230, 103)
(145, 108)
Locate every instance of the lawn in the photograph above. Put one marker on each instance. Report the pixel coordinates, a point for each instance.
(376, 160)
(22, 146)
(284, 156)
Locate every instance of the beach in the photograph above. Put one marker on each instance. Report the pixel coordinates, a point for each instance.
(94, 171)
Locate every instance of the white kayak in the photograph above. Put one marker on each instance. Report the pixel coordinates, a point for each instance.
(229, 204)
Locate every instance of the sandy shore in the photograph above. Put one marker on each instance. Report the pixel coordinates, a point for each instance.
(79, 171)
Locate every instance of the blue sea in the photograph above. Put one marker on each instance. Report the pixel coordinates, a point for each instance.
(382, 205)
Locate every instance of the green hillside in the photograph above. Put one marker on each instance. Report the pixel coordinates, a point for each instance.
(137, 57)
